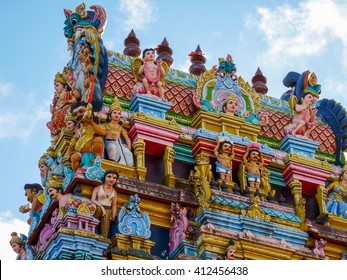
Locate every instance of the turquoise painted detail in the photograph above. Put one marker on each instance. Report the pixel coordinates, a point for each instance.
(302, 147)
(276, 177)
(184, 248)
(95, 172)
(131, 221)
(183, 154)
(70, 247)
(259, 227)
(151, 107)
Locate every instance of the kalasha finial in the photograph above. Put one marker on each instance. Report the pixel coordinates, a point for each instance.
(198, 60)
(132, 45)
(259, 82)
(164, 52)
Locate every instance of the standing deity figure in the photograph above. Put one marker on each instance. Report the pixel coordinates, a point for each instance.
(105, 198)
(117, 141)
(151, 73)
(230, 105)
(88, 143)
(224, 153)
(56, 193)
(253, 162)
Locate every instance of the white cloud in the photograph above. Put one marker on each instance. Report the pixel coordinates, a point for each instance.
(334, 90)
(5, 89)
(9, 224)
(304, 30)
(140, 13)
(21, 124)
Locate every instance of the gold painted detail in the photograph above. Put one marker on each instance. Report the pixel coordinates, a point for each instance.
(83, 209)
(172, 124)
(307, 161)
(200, 178)
(203, 79)
(254, 211)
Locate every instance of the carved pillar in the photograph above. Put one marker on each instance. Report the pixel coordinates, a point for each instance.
(169, 158)
(295, 186)
(321, 197)
(139, 152)
(200, 178)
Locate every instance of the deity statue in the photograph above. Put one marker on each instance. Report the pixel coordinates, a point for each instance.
(88, 143)
(104, 197)
(230, 251)
(63, 98)
(152, 72)
(302, 103)
(336, 202)
(253, 162)
(225, 73)
(230, 105)
(18, 245)
(56, 193)
(115, 135)
(35, 195)
(224, 153)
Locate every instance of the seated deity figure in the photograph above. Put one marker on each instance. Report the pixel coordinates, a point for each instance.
(336, 202)
(224, 153)
(115, 134)
(88, 143)
(230, 105)
(18, 246)
(253, 162)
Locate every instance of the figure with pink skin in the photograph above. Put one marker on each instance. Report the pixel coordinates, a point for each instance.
(179, 225)
(152, 72)
(304, 121)
(18, 246)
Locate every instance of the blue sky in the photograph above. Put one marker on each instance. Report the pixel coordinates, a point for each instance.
(277, 36)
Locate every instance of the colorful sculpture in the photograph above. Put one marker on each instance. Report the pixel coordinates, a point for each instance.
(224, 153)
(18, 245)
(152, 72)
(336, 202)
(226, 73)
(64, 96)
(302, 101)
(131, 221)
(179, 225)
(89, 64)
(88, 143)
(230, 251)
(35, 195)
(230, 105)
(56, 193)
(105, 198)
(115, 135)
(253, 162)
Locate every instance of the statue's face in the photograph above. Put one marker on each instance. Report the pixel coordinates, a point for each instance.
(29, 195)
(58, 87)
(111, 179)
(16, 247)
(254, 156)
(344, 176)
(231, 106)
(53, 193)
(149, 56)
(308, 99)
(230, 255)
(70, 125)
(79, 112)
(115, 115)
(226, 148)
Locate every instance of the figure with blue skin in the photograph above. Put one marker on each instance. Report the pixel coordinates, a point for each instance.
(337, 195)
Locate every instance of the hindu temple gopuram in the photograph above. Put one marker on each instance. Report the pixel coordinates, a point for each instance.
(149, 162)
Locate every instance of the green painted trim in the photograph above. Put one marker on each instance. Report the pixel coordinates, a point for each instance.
(183, 153)
(179, 118)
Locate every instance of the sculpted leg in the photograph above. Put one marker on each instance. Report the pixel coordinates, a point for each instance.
(98, 146)
(75, 161)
